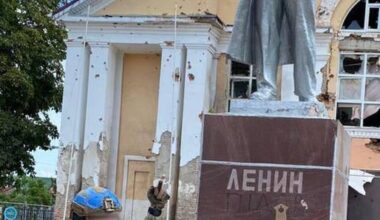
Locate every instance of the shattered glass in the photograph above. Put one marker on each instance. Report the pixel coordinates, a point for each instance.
(372, 90)
(349, 114)
(373, 65)
(350, 89)
(352, 64)
(371, 116)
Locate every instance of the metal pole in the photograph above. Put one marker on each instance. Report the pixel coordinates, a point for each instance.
(180, 71)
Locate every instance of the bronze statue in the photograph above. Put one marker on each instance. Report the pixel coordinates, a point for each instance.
(268, 33)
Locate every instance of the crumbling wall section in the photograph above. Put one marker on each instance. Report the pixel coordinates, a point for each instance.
(325, 10)
(95, 166)
(338, 10)
(64, 176)
(162, 165)
(188, 190)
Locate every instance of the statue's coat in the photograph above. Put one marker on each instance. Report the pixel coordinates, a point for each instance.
(244, 38)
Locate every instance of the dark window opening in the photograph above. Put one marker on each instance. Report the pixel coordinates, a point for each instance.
(374, 1)
(356, 18)
(348, 115)
(352, 65)
(240, 69)
(239, 89)
(373, 120)
(373, 20)
(242, 81)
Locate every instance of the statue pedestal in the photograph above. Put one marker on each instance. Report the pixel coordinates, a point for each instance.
(273, 160)
(278, 109)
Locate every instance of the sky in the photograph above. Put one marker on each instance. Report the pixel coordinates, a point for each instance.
(46, 161)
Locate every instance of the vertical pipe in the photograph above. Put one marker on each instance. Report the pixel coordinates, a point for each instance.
(180, 71)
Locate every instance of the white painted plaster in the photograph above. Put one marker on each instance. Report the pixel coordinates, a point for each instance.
(100, 109)
(196, 100)
(100, 93)
(91, 164)
(115, 130)
(148, 34)
(75, 94)
(73, 115)
(63, 170)
(172, 63)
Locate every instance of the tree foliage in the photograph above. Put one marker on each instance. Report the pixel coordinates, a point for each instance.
(30, 191)
(31, 76)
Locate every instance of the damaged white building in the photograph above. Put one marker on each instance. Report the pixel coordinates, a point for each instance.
(141, 74)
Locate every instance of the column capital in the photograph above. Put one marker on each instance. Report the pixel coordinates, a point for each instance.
(170, 45)
(99, 44)
(209, 47)
(74, 43)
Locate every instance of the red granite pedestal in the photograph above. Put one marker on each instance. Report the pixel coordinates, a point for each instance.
(273, 168)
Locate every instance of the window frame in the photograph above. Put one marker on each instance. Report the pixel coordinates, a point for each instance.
(251, 78)
(358, 131)
(366, 28)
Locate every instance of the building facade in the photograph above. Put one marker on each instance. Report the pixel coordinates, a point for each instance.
(139, 80)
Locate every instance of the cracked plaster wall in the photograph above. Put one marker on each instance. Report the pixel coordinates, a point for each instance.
(188, 190)
(94, 173)
(63, 175)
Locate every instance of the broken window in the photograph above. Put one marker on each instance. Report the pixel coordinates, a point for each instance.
(349, 114)
(239, 89)
(242, 81)
(365, 15)
(352, 64)
(359, 90)
(373, 21)
(350, 88)
(372, 116)
(356, 18)
(373, 64)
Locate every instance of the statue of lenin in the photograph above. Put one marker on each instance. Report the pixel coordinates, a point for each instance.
(268, 33)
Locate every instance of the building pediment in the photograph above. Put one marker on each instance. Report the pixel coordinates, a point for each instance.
(80, 7)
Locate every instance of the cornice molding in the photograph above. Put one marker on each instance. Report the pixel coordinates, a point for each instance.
(71, 43)
(208, 47)
(364, 132)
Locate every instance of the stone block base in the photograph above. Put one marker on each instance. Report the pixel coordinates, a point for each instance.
(278, 109)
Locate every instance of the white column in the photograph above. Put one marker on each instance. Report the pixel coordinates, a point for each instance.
(115, 131)
(172, 65)
(197, 101)
(99, 114)
(72, 124)
(169, 115)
